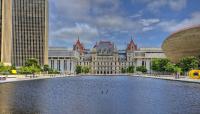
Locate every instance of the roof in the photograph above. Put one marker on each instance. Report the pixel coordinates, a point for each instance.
(182, 44)
(105, 45)
(105, 48)
(61, 52)
(79, 44)
(132, 43)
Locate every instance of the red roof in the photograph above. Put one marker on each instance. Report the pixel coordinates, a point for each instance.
(130, 45)
(80, 46)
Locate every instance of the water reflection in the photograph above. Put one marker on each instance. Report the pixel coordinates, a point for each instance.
(100, 95)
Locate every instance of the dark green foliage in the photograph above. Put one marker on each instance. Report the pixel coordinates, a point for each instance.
(82, 69)
(159, 64)
(32, 62)
(31, 67)
(78, 69)
(142, 69)
(130, 69)
(46, 68)
(123, 70)
(189, 63)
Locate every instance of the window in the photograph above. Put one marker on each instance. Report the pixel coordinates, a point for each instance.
(58, 65)
(52, 64)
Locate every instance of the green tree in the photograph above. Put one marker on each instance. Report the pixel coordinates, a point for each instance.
(159, 64)
(188, 63)
(31, 67)
(142, 69)
(25, 70)
(53, 71)
(170, 67)
(32, 62)
(85, 69)
(46, 68)
(130, 69)
(78, 69)
(29, 70)
(13, 67)
(123, 70)
(177, 70)
(4, 69)
(34, 69)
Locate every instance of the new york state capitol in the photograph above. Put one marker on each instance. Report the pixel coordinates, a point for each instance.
(103, 58)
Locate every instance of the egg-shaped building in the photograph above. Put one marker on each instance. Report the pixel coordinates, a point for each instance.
(182, 44)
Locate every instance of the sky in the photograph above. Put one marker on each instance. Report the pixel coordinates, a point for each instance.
(147, 22)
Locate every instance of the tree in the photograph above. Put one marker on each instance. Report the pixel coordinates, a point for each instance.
(46, 68)
(177, 70)
(170, 67)
(34, 69)
(53, 71)
(78, 69)
(85, 69)
(142, 69)
(29, 70)
(123, 70)
(159, 64)
(4, 69)
(130, 69)
(31, 67)
(25, 70)
(188, 63)
(32, 62)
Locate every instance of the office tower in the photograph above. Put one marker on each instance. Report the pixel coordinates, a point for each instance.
(27, 35)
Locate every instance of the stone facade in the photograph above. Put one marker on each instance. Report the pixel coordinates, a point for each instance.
(63, 60)
(105, 58)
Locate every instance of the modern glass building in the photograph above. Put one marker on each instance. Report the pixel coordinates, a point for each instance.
(28, 31)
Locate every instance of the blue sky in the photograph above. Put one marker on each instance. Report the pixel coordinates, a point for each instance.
(148, 22)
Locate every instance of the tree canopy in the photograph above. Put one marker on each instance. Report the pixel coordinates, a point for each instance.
(159, 64)
(188, 63)
(142, 69)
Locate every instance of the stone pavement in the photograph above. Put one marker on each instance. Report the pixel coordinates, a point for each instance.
(172, 78)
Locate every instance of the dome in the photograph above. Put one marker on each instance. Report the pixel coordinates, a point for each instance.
(182, 44)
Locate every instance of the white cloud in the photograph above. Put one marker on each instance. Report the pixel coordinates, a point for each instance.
(148, 22)
(83, 30)
(155, 5)
(136, 15)
(173, 25)
(177, 4)
(147, 29)
(81, 9)
(74, 9)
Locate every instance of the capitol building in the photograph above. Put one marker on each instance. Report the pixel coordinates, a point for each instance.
(103, 58)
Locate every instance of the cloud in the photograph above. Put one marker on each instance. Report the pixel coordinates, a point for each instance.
(74, 9)
(173, 25)
(83, 30)
(147, 29)
(148, 22)
(82, 9)
(177, 5)
(155, 5)
(97, 19)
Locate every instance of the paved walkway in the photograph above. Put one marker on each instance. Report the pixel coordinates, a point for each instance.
(172, 78)
(15, 79)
